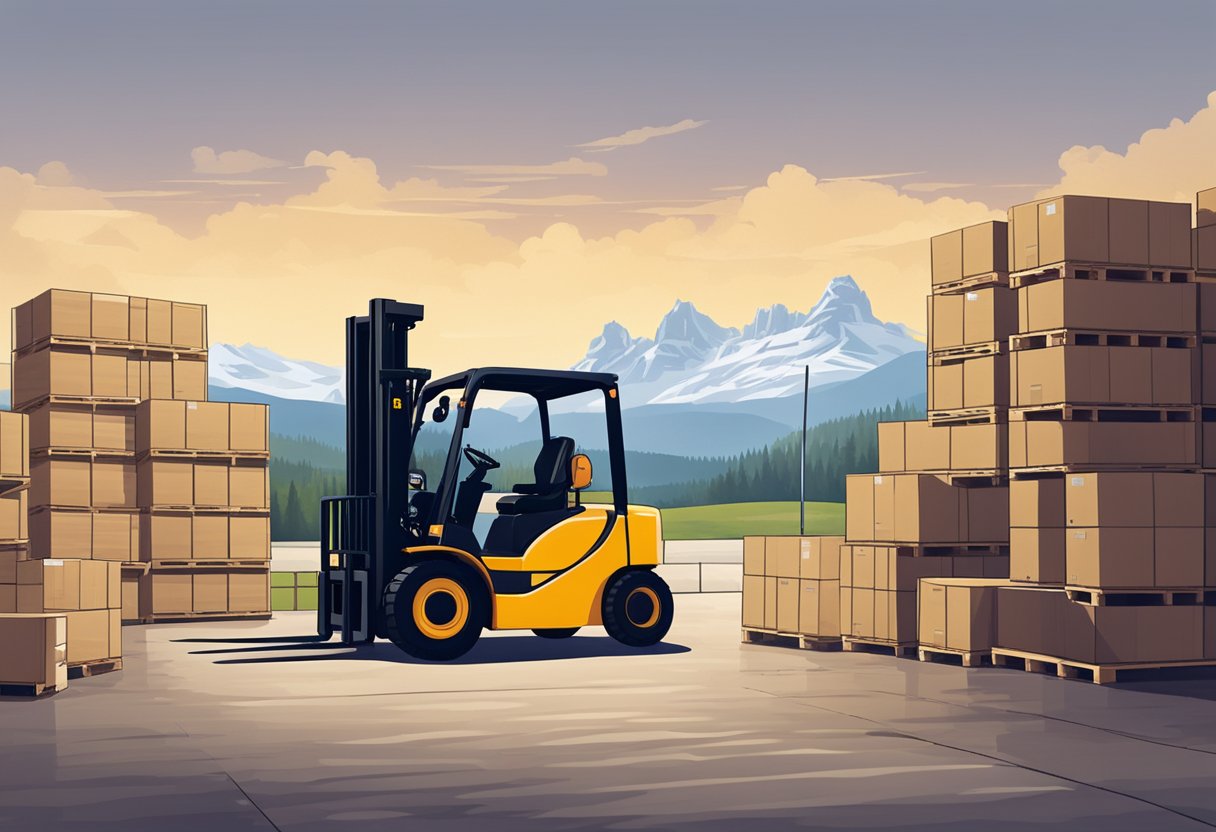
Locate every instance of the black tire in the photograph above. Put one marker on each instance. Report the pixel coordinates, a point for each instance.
(435, 610)
(638, 608)
(557, 632)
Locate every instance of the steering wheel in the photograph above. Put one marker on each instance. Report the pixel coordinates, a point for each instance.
(480, 459)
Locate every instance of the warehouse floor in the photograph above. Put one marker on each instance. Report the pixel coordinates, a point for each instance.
(226, 726)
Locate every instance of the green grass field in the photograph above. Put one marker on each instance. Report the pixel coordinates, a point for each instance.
(739, 519)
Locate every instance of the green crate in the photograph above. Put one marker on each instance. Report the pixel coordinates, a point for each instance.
(306, 598)
(283, 598)
(306, 578)
(283, 579)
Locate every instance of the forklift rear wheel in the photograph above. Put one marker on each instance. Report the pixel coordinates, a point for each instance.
(557, 632)
(435, 610)
(638, 608)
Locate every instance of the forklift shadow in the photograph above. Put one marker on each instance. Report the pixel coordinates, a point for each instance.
(492, 650)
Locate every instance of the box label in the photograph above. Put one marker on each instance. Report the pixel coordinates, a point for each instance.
(878, 480)
(806, 548)
(1050, 210)
(1077, 481)
(973, 296)
(52, 562)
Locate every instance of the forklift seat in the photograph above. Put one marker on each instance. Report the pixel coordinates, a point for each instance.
(551, 489)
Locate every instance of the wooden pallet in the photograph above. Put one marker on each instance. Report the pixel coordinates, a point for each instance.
(1150, 597)
(28, 690)
(947, 355)
(978, 281)
(245, 565)
(168, 508)
(81, 453)
(899, 649)
(188, 617)
(1104, 413)
(93, 344)
(96, 667)
(1099, 271)
(916, 550)
(986, 476)
(12, 483)
(944, 655)
(179, 453)
(1035, 472)
(754, 635)
(969, 416)
(1099, 674)
(1093, 338)
(82, 400)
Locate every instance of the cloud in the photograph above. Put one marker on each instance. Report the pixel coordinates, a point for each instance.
(144, 194)
(206, 160)
(235, 182)
(934, 187)
(1168, 163)
(571, 167)
(54, 174)
(872, 176)
(641, 135)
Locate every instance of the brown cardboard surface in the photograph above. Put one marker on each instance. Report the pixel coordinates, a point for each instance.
(985, 248)
(1174, 371)
(753, 600)
(94, 634)
(1128, 231)
(978, 447)
(206, 426)
(160, 322)
(1169, 238)
(770, 603)
(137, 322)
(61, 534)
(1207, 300)
(1047, 443)
(862, 567)
(884, 506)
(1109, 557)
(62, 312)
(859, 507)
(987, 513)
(946, 386)
(1037, 502)
(14, 444)
(171, 592)
(33, 649)
(249, 427)
(1109, 499)
(189, 325)
(165, 537)
(249, 537)
(945, 316)
(14, 517)
(981, 381)
(58, 426)
(1205, 208)
(946, 257)
(189, 379)
(114, 483)
(134, 586)
(249, 591)
(927, 509)
(1098, 230)
(891, 445)
(1178, 556)
(115, 536)
(1207, 368)
(1180, 499)
(211, 483)
(114, 428)
(958, 613)
(782, 557)
(1073, 228)
(1037, 555)
(160, 424)
(819, 608)
(895, 572)
(53, 585)
(58, 371)
(753, 556)
(928, 447)
(1030, 618)
(62, 482)
(165, 482)
(1072, 374)
(211, 592)
(787, 604)
(1203, 244)
(819, 557)
(110, 374)
(1107, 305)
(249, 486)
(989, 314)
(1112, 634)
(209, 533)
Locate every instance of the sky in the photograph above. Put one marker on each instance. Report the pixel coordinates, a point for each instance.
(531, 170)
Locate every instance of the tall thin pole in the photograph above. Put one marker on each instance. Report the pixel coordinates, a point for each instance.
(806, 395)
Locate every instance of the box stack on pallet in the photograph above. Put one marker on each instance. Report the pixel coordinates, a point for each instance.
(791, 591)
(1108, 506)
(938, 505)
(1203, 251)
(204, 493)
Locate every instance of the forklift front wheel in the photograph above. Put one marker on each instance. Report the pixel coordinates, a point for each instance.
(638, 608)
(435, 610)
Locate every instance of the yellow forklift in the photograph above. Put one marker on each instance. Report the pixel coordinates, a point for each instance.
(399, 556)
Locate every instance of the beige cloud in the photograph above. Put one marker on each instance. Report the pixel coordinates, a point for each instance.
(206, 160)
(872, 176)
(641, 135)
(933, 187)
(318, 256)
(570, 167)
(1169, 163)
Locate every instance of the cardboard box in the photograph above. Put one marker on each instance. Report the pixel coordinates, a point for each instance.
(61, 482)
(190, 325)
(209, 537)
(987, 517)
(190, 379)
(114, 483)
(1090, 229)
(978, 447)
(1108, 305)
(33, 650)
(135, 584)
(170, 593)
(1206, 293)
(928, 447)
(55, 585)
(969, 252)
(84, 534)
(926, 509)
(10, 556)
(51, 371)
(753, 556)
(1115, 634)
(1203, 246)
(957, 613)
(980, 316)
(249, 591)
(1037, 502)
(819, 557)
(892, 444)
(788, 590)
(1137, 498)
(202, 426)
(753, 601)
(1179, 559)
(249, 537)
(965, 383)
(920, 447)
(1103, 375)
(166, 537)
(1030, 619)
(1040, 444)
(249, 427)
(165, 482)
(94, 635)
(1205, 208)
(1109, 558)
(770, 603)
(14, 445)
(14, 517)
(819, 608)
(859, 507)
(1037, 555)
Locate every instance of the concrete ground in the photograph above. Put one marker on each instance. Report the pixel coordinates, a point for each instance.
(235, 726)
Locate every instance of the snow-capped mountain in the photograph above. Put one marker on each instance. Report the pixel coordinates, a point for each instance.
(260, 370)
(694, 360)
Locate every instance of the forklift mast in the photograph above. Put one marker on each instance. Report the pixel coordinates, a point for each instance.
(363, 533)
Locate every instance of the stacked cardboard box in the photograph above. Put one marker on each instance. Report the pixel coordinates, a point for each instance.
(791, 587)
(33, 653)
(204, 491)
(1204, 252)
